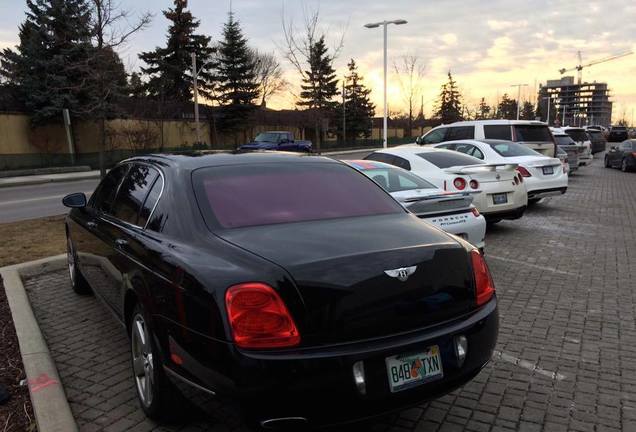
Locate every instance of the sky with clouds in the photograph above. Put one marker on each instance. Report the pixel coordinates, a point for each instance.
(488, 45)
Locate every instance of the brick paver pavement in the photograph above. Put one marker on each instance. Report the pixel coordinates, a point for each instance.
(566, 357)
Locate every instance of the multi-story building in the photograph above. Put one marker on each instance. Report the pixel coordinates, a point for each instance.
(575, 104)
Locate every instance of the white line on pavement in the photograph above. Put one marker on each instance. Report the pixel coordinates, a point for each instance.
(540, 267)
(532, 367)
(26, 200)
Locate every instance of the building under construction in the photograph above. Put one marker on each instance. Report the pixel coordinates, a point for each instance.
(575, 104)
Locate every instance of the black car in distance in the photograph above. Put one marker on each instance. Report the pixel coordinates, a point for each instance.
(622, 155)
(292, 284)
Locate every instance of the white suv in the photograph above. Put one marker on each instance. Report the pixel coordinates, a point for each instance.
(534, 134)
(583, 142)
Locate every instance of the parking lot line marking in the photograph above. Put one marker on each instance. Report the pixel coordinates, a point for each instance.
(550, 269)
(532, 367)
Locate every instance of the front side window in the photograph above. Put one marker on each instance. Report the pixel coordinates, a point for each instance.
(272, 193)
(448, 159)
(104, 196)
(500, 132)
(434, 137)
(132, 193)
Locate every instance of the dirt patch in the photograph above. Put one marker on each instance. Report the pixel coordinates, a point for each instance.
(16, 415)
(30, 240)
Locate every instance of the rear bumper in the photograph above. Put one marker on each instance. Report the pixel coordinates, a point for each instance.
(544, 193)
(506, 214)
(317, 384)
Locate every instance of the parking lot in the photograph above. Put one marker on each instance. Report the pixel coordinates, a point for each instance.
(566, 357)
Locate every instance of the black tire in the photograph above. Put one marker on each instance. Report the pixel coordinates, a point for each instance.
(624, 166)
(533, 201)
(607, 164)
(160, 400)
(492, 221)
(78, 283)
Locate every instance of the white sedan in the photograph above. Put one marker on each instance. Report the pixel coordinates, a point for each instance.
(543, 176)
(450, 211)
(497, 189)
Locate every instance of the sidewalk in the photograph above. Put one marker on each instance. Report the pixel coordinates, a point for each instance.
(47, 178)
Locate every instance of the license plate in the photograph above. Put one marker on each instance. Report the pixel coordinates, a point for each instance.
(500, 198)
(548, 170)
(409, 370)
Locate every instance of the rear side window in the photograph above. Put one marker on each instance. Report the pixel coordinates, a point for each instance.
(401, 163)
(510, 149)
(528, 133)
(132, 193)
(460, 132)
(500, 132)
(272, 193)
(104, 197)
(449, 159)
(150, 202)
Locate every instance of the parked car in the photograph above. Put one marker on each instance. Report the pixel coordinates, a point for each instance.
(498, 189)
(533, 134)
(617, 134)
(584, 143)
(451, 211)
(596, 127)
(278, 140)
(567, 144)
(622, 155)
(236, 284)
(598, 140)
(543, 176)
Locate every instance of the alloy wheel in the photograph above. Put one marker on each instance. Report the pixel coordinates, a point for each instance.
(70, 256)
(143, 365)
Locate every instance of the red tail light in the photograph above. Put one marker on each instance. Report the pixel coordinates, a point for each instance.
(634, 154)
(474, 184)
(459, 183)
(524, 172)
(475, 211)
(259, 318)
(484, 286)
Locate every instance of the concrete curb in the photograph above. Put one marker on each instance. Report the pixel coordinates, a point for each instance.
(34, 180)
(50, 405)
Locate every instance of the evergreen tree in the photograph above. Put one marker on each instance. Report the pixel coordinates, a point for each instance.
(507, 108)
(527, 111)
(236, 76)
(358, 108)
(47, 70)
(169, 69)
(136, 86)
(319, 85)
(449, 104)
(483, 111)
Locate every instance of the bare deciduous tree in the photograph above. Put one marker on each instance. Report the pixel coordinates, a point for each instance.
(410, 73)
(269, 75)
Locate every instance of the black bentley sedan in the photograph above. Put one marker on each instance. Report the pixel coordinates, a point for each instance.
(293, 285)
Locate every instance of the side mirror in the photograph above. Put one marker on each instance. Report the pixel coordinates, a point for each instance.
(74, 200)
(613, 148)
(418, 140)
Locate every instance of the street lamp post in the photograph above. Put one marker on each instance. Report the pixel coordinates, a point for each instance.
(519, 96)
(195, 85)
(384, 24)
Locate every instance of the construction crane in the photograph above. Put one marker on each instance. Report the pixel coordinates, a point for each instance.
(580, 66)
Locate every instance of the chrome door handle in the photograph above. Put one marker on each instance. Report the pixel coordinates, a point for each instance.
(121, 242)
(91, 224)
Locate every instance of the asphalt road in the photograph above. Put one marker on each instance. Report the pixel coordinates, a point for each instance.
(36, 201)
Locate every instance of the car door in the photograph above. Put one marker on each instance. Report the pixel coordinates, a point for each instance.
(122, 226)
(89, 236)
(286, 143)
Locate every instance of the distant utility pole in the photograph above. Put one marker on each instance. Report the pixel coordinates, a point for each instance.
(519, 96)
(344, 114)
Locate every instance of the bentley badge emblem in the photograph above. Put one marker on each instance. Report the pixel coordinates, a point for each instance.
(401, 273)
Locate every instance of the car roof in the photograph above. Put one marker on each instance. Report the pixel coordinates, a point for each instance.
(200, 159)
(413, 149)
(363, 164)
(495, 122)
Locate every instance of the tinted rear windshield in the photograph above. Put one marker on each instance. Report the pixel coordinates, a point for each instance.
(510, 149)
(446, 159)
(527, 133)
(564, 140)
(271, 193)
(577, 135)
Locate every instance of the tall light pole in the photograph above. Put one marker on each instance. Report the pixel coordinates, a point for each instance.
(195, 84)
(519, 96)
(384, 24)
